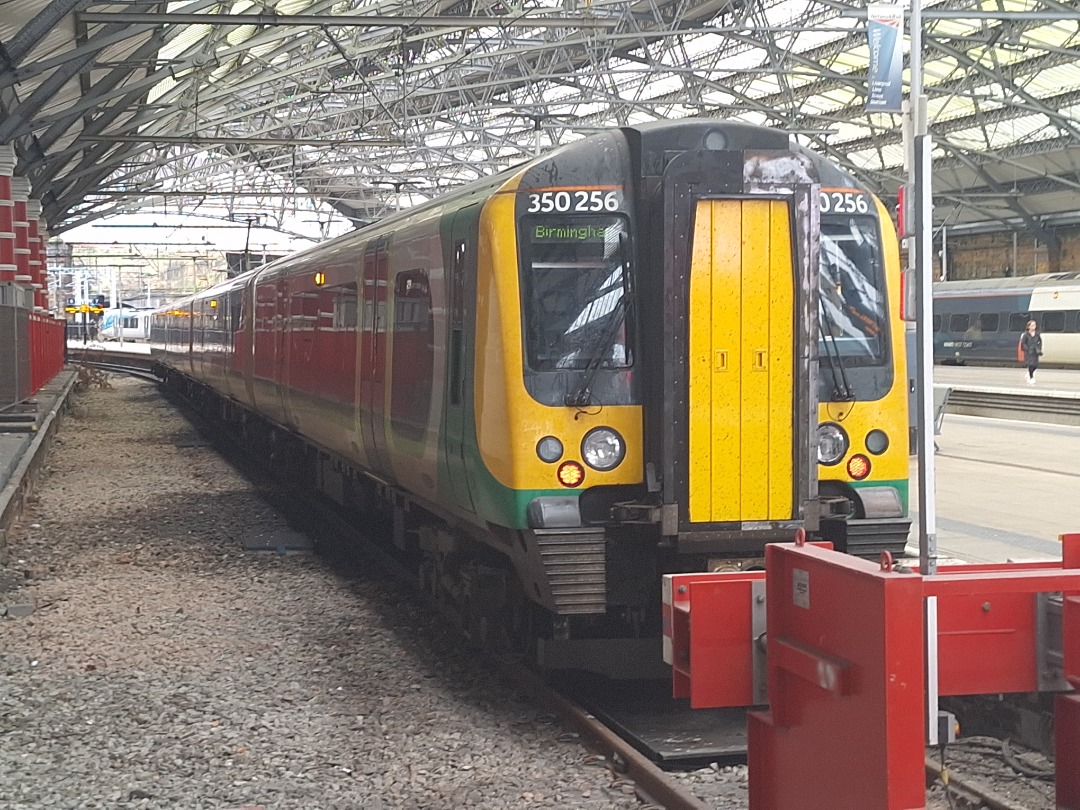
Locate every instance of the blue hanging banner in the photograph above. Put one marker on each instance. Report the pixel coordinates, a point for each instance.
(885, 30)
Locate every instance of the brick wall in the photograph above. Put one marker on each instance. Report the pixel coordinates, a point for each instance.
(991, 255)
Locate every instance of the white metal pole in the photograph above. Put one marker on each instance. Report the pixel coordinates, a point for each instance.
(924, 312)
(924, 318)
(923, 242)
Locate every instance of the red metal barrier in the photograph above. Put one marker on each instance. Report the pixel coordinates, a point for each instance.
(727, 669)
(845, 676)
(46, 349)
(846, 662)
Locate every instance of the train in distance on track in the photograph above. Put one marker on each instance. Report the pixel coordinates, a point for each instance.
(127, 323)
(652, 350)
(981, 321)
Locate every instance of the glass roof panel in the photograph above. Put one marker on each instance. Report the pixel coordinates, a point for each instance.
(437, 101)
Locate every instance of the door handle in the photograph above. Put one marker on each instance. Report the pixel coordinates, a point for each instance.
(760, 356)
(721, 360)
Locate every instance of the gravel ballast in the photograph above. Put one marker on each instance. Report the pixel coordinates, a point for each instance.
(163, 666)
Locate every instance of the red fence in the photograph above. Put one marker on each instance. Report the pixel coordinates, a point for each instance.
(46, 349)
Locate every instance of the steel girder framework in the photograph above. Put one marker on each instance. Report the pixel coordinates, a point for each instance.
(367, 106)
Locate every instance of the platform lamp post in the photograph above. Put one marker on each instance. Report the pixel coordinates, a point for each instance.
(919, 255)
(119, 294)
(251, 219)
(885, 94)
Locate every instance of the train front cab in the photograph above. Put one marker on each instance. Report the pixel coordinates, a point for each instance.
(727, 240)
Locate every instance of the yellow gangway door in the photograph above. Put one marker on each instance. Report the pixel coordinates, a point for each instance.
(741, 346)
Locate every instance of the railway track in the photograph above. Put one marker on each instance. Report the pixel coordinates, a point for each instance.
(343, 543)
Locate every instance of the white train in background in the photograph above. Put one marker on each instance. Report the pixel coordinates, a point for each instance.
(128, 323)
(981, 321)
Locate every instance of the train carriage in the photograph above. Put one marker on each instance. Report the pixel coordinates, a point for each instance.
(653, 350)
(981, 320)
(125, 323)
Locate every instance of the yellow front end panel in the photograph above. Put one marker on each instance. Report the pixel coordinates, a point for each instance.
(741, 377)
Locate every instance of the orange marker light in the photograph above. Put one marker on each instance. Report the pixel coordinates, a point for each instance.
(858, 467)
(320, 279)
(571, 474)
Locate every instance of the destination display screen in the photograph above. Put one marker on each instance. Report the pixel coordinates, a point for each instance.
(570, 232)
(573, 280)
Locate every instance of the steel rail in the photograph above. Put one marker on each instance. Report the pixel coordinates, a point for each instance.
(970, 789)
(651, 783)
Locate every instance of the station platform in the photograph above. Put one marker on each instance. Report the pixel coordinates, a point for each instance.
(112, 346)
(26, 431)
(1005, 489)
(1005, 486)
(1048, 381)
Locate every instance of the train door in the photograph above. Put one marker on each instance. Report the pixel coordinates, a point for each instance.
(741, 343)
(736, 387)
(373, 304)
(249, 322)
(281, 350)
(189, 338)
(458, 400)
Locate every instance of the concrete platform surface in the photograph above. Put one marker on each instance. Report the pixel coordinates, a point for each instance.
(1047, 380)
(23, 451)
(1005, 489)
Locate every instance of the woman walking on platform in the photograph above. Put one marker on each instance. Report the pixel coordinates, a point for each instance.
(1030, 349)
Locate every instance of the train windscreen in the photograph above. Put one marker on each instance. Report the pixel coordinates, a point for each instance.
(574, 277)
(854, 306)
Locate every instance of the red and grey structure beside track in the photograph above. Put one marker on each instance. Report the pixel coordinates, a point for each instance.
(859, 691)
(31, 340)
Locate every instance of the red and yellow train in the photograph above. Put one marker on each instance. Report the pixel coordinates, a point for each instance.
(652, 350)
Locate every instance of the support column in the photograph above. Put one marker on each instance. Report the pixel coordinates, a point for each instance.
(20, 193)
(7, 215)
(43, 249)
(33, 240)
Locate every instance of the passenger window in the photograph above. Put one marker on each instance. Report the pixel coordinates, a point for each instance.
(988, 322)
(937, 323)
(1018, 321)
(1053, 322)
(959, 322)
(1073, 321)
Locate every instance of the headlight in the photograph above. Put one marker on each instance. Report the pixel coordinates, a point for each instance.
(832, 443)
(603, 448)
(549, 449)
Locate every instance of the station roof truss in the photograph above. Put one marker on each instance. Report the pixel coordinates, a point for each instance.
(360, 107)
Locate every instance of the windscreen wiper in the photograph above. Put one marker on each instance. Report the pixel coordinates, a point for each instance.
(580, 395)
(841, 389)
